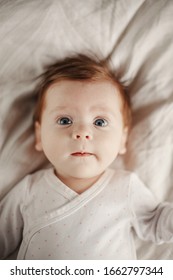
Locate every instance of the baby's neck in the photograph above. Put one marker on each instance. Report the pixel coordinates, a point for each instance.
(78, 185)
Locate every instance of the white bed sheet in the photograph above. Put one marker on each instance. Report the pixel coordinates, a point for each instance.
(137, 35)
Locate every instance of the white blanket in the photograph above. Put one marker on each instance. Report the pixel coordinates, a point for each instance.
(137, 35)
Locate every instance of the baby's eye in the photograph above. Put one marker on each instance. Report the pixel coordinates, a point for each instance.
(101, 122)
(64, 121)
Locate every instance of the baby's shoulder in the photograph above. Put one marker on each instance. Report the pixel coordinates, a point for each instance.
(38, 178)
(128, 183)
(122, 175)
(39, 174)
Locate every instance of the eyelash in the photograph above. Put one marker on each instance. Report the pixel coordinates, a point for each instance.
(105, 122)
(67, 118)
(68, 121)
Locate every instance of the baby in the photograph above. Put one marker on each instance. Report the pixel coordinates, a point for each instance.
(80, 208)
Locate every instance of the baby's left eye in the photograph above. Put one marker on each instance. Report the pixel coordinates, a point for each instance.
(64, 121)
(100, 122)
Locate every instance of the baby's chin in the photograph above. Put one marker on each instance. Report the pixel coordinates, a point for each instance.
(84, 174)
(79, 181)
(80, 173)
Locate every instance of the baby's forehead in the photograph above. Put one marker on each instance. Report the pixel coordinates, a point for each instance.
(66, 90)
(82, 97)
(83, 86)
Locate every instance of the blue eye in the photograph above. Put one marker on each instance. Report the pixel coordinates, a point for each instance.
(101, 122)
(64, 121)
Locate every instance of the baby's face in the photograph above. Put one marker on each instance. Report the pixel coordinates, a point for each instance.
(81, 130)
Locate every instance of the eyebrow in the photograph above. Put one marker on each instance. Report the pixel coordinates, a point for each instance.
(98, 107)
(58, 108)
(103, 109)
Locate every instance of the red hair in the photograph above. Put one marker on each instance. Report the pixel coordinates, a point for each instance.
(80, 68)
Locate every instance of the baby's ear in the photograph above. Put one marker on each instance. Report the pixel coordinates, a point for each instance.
(38, 143)
(123, 145)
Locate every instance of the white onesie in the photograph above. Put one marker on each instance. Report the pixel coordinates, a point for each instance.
(50, 221)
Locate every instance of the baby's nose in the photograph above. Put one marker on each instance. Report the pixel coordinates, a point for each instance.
(82, 135)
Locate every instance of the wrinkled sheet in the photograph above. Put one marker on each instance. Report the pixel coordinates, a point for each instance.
(137, 35)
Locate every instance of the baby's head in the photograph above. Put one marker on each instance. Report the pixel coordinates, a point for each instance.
(82, 117)
(85, 69)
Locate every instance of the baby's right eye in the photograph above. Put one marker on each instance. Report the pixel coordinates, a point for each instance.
(64, 121)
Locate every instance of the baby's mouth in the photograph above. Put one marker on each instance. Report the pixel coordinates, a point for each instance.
(81, 154)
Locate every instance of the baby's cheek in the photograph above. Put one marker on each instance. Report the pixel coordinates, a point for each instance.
(111, 147)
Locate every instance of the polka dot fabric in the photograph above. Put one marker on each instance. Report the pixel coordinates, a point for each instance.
(58, 223)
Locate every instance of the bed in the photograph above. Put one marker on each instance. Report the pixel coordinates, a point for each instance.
(138, 37)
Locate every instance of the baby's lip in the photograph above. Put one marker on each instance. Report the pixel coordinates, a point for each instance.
(81, 154)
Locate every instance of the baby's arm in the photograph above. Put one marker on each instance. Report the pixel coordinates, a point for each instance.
(11, 221)
(151, 220)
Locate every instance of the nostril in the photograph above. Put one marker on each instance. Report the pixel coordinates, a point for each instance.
(78, 136)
